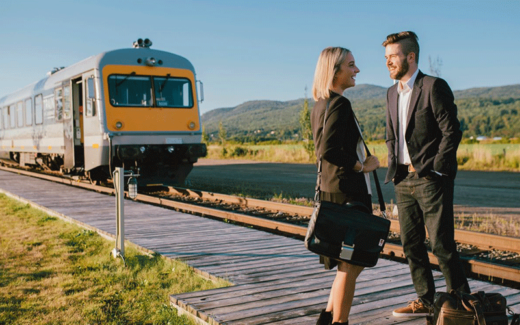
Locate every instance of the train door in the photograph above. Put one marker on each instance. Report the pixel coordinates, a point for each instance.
(68, 127)
(77, 121)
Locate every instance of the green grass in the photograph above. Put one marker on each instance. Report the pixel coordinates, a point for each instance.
(481, 156)
(53, 272)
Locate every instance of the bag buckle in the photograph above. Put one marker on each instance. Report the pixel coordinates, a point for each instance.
(346, 251)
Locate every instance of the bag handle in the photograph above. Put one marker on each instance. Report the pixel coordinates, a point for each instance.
(382, 205)
(473, 304)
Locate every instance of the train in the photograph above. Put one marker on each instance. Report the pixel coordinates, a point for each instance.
(136, 108)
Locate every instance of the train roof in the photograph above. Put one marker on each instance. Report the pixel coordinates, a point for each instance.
(127, 56)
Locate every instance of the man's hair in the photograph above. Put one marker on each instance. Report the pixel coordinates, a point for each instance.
(408, 40)
(328, 65)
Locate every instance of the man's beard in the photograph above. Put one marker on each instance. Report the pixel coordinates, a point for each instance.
(402, 71)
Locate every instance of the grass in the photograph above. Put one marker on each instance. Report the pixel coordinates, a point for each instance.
(488, 223)
(53, 272)
(482, 156)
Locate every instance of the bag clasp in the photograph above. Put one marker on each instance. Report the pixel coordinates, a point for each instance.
(346, 251)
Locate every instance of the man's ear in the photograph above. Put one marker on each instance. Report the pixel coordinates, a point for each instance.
(411, 57)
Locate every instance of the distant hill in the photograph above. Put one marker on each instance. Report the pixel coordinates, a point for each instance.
(489, 111)
(365, 91)
(512, 91)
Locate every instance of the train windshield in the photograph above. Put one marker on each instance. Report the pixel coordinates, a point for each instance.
(130, 90)
(137, 91)
(172, 92)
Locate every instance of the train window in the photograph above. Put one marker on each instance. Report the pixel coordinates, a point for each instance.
(38, 109)
(28, 112)
(91, 97)
(19, 114)
(12, 116)
(67, 113)
(59, 104)
(5, 117)
(130, 90)
(49, 107)
(173, 92)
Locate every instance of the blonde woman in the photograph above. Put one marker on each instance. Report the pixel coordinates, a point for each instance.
(345, 166)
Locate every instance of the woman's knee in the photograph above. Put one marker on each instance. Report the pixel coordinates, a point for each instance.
(350, 269)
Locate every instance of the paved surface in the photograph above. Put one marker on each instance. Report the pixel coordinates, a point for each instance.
(483, 190)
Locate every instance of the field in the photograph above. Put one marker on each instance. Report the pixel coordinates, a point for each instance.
(483, 157)
(53, 272)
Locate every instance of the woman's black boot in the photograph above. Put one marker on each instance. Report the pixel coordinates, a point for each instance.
(325, 318)
(346, 323)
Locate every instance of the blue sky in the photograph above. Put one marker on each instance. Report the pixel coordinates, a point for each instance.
(263, 49)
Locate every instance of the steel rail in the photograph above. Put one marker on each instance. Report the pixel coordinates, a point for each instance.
(482, 268)
(481, 240)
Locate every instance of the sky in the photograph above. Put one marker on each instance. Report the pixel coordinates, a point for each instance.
(264, 49)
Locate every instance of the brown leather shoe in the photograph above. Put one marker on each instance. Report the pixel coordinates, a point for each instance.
(414, 309)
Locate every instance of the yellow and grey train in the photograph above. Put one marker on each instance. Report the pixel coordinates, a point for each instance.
(136, 108)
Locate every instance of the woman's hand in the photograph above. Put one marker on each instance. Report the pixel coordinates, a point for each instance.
(370, 164)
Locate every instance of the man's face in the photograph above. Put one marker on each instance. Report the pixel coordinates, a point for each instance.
(396, 61)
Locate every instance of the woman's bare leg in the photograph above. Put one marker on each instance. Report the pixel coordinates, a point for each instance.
(342, 292)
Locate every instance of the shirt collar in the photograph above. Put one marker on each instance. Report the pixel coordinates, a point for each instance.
(409, 84)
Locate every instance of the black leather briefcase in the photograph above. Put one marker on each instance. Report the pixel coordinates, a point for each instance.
(347, 232)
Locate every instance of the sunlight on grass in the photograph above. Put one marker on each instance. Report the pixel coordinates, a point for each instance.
(492, 157)
(53, 272)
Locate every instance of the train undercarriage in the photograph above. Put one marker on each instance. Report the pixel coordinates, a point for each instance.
(156, 164)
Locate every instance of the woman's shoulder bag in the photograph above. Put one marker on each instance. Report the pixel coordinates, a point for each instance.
(347, 232)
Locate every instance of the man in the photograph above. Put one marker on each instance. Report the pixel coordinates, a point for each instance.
(423, 135)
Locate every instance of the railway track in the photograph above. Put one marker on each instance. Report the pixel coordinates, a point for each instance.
(259, 213)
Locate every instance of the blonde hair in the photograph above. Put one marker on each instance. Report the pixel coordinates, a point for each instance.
(328, 65)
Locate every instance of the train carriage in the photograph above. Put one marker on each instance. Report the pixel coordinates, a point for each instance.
(135, 108)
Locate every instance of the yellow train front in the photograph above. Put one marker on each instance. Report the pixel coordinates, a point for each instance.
(135, 108)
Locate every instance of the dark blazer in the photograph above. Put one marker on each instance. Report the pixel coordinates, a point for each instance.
(337, 145)
(433, 130)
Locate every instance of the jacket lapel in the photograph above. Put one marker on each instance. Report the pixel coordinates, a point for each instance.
(417, 88)
(392, 103)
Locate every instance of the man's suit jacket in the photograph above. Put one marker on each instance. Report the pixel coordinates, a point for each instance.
(337, 145)
(433, 130)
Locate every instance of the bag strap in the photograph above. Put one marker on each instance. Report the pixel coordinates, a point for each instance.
(473, 304)
(382, 205)
(516, 317)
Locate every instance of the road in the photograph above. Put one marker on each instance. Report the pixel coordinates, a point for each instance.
(493, 192)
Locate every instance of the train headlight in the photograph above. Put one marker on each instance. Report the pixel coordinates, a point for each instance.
(143, 149)
(119, 125)
(150, 62)
(191, 126)
(171, 149)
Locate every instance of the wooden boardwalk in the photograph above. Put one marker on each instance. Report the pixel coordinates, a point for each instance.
(277, 281)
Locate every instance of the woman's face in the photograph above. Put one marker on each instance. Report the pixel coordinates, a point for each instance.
(346, 76)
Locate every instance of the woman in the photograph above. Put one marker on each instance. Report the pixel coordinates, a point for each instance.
(345, 167)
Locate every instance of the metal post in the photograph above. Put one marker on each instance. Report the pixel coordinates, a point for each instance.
(119, 185)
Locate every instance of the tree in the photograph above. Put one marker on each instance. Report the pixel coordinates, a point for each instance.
(306, 130)
(222, 134)
(205, 137)
(435, 66)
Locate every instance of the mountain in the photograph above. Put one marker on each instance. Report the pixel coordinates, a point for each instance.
(489, 111)
(365, 91)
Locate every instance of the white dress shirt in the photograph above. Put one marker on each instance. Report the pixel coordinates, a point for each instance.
(360, 150)
(404, 90)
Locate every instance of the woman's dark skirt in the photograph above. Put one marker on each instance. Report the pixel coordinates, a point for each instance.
(342, 198)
